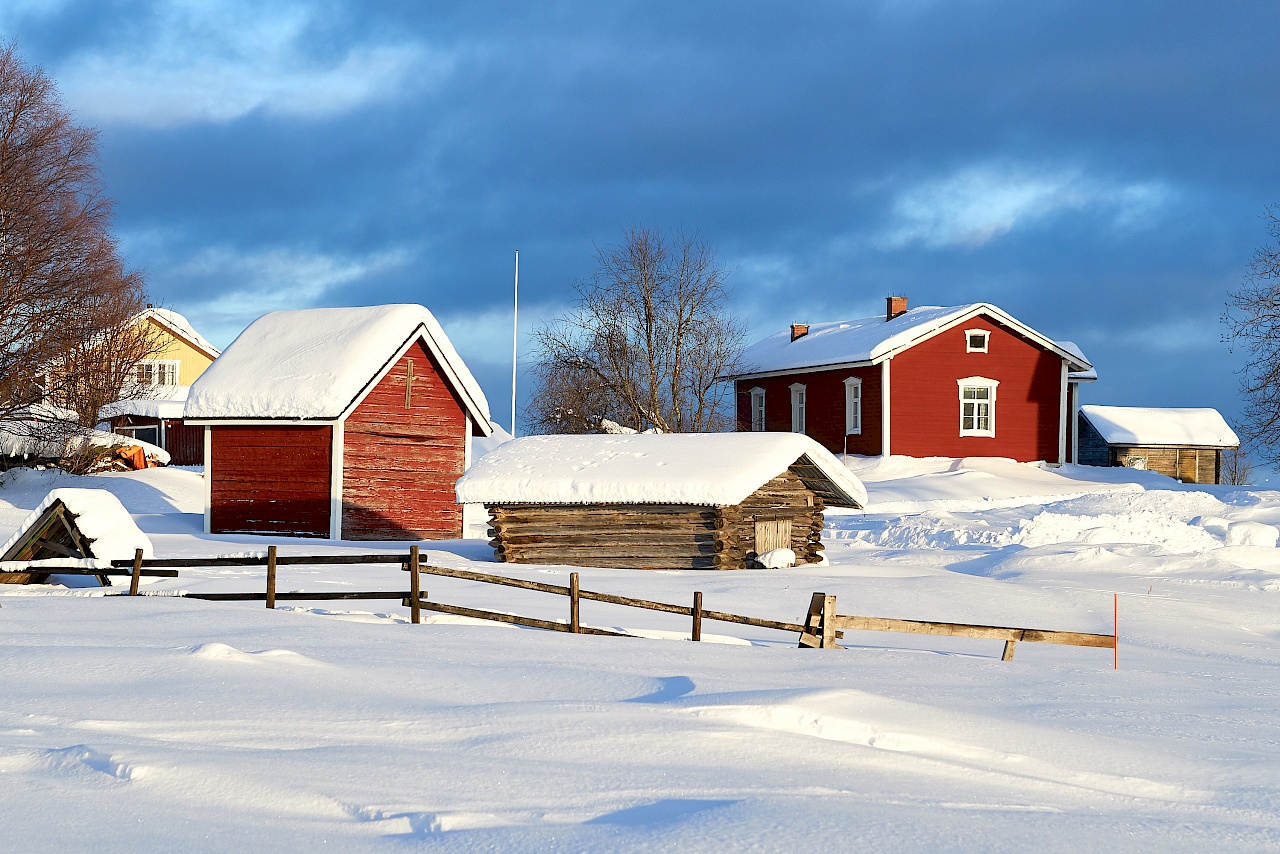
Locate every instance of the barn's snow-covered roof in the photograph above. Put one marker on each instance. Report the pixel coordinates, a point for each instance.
(318, 363)
(1140, 425)
(871, 340)
(704, 469)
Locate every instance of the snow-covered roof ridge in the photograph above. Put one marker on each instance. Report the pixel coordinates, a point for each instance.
(871, 340)
(704, 469)
(179, 324)
(1142, 425)
(318, 363)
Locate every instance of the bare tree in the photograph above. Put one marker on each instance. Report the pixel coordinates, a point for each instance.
(1253, 324)
(66, 303)
(1237, 470)
(644, 347)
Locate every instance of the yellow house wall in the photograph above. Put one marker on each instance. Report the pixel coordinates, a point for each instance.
(192, 362)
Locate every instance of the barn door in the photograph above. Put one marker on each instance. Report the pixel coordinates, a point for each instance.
(772, 534)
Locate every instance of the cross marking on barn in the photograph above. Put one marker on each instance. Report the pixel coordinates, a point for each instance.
(408, 384)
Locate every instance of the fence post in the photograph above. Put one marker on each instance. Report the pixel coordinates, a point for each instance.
(137, 572)
(696, 634)
(271, 576)
(415, 588)
(828, 622)
(574, 625)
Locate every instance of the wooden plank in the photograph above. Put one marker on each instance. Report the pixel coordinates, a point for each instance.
(631, 602)
(415, 584)
(751, 621)
(574, 623)
(695, 633)
(514, 619)
(1005, 633)
(485, 577)
(271, 576)
(298, 596)
(136, 575)
(281, 560)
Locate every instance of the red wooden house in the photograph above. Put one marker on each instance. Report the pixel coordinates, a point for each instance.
(961, 381)
(347, 423)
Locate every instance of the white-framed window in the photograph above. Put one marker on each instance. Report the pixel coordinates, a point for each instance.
(157, 372)
(853, 405)
(976, 340)
(797, 407)
(977, 406)
(757, 409)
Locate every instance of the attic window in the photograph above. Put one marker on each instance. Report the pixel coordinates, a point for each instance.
(975, 340)
(157, 372)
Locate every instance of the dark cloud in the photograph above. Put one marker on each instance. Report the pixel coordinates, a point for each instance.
(1096, 169)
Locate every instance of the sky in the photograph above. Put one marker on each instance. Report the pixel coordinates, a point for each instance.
(1098, 170)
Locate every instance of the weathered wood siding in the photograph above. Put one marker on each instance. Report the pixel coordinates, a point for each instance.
(184, 444)
(1187, 464)
(270, 480)
(824, 407)
(404, 449)
(656, 536)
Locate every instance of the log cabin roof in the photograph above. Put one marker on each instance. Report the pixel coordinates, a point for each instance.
(871, 340)
(318, 363)
(1142, 425)
(703, 469)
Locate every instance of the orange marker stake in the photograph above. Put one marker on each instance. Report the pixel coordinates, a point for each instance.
(1115, 627)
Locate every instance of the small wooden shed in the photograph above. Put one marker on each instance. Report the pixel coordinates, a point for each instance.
(347, 423)
(1185, 444)
(692, 501)
(71, 523)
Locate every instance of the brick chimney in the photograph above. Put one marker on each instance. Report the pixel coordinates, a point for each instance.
(894, 306)
(799, 330)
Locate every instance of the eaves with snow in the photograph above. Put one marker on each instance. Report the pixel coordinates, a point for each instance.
(1141, 425)
(701, 469)
(317, 364)
(872, 340)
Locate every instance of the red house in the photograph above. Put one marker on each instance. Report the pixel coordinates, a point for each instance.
(347, 423)
(962, 381)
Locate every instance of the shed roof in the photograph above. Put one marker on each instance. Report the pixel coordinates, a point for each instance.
(704, 469)
(1140, 425)
(871, 340)
(318, 363)
(169, 402)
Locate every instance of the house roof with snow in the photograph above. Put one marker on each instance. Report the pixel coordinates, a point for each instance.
(871, 340)
(319, 363)
(1091, 375)
(1140, 425)
(169, 402)
(178, 325)
(703, 469)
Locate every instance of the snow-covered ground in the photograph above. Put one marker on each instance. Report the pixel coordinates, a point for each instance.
(162, 724)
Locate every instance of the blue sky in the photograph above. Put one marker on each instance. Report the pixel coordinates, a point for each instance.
(1096, 169)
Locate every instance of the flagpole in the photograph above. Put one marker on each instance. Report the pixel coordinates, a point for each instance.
(515, 341)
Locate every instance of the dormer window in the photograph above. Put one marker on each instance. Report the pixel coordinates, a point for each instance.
(975, 340)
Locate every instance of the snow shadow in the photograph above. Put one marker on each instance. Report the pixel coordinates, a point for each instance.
(665, 811)
(670, 688)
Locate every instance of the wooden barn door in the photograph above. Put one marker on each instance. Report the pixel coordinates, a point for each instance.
(772, 534)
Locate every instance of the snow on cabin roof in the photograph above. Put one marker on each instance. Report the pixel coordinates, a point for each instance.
(179, 324)
(1140, 425)
(704, 469)
(317, 363)
(100, 518)
(871, 340)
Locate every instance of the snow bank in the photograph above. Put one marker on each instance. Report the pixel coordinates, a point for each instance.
(716, 469)
(314, 363)
(17, 439)
(100, 517)
(1140, 425)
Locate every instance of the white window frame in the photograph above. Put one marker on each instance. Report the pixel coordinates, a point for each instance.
(757, 410)
(161, 370)
(968, 340)
(799, 402)
(853, 406)
(978, 383)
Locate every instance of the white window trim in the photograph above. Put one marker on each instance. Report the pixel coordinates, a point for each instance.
(979, 382)
(851, 428)
(757, 408)
(158, 367)
(968, 343)
(799, 403)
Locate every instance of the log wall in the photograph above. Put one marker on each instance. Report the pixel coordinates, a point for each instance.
(1187, 464)
(656, 536)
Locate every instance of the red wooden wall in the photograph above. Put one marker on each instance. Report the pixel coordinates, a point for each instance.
(925, 401)
(400, 462)
(184, 444)
(270, 480)
(824, 407)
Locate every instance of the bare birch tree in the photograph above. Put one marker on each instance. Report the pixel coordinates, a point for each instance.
(66, 301)
(645, 345)
(1253, 324)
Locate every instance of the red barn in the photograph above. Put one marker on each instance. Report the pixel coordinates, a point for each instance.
(347, 423)
(962, 381)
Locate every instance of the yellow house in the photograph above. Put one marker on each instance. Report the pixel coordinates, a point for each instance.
(183, 354)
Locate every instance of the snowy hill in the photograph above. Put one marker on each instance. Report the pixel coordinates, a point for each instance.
(157, 723)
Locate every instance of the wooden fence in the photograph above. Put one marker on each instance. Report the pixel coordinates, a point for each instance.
(821, 628)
